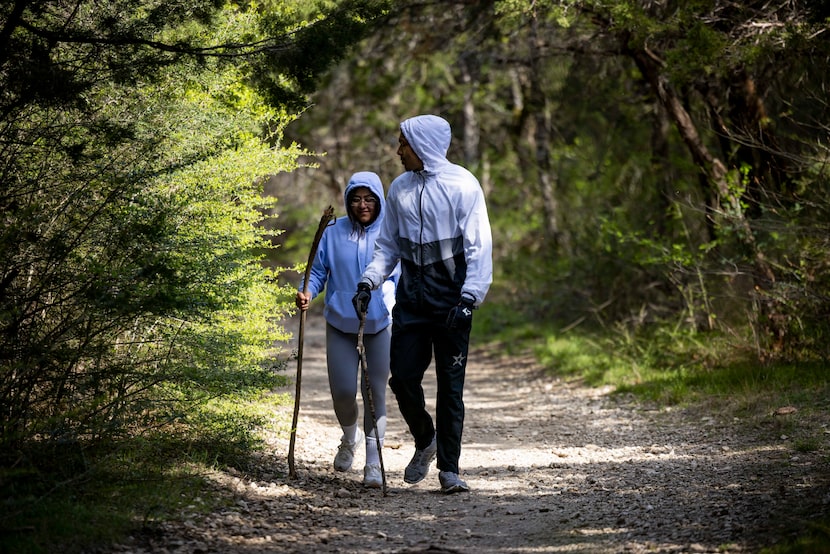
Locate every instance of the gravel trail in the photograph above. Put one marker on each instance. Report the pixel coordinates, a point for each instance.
(553, 466)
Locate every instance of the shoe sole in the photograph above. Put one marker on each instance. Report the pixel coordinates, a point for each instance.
(455, 488)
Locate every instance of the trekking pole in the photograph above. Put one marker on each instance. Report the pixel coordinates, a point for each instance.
(328, 215)
(361, 350)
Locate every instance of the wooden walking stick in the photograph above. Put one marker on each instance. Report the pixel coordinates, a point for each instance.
(362, 353)
(328, 215)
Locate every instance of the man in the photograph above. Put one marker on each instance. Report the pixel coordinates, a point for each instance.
(436, 225)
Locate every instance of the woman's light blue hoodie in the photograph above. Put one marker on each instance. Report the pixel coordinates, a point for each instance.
(342, 256)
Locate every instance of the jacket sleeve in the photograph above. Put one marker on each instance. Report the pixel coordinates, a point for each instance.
(478, 249)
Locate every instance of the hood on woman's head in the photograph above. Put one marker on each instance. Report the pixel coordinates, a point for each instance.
(370, 180)
(366, 179)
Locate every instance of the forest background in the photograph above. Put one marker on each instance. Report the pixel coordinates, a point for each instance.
(656, 174)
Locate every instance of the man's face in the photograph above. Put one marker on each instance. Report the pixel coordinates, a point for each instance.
(409, 159)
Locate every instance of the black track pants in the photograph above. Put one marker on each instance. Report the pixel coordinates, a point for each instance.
(414, 339)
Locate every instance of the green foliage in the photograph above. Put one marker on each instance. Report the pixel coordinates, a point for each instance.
(96, 514)
(701, 52)
(321, 32)
(604, 207)
(133, 280)
(133, 485)
(77, 497)
(669, 366)
(815, 539)
(673, 367)
(226, 431)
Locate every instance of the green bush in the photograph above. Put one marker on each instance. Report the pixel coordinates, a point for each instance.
(134, 287)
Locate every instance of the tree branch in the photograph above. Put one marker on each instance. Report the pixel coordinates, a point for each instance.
(229, 50)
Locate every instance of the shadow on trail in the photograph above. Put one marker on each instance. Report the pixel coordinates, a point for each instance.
(553, 467)
(565, 507)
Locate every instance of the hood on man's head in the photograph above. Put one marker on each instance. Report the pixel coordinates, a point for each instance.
(429, 136)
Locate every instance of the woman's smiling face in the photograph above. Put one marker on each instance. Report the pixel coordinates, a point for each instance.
(364, 205)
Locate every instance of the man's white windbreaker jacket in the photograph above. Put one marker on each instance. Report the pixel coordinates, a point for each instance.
(436, 224)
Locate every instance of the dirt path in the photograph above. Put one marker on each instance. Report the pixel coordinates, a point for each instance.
(553, 467)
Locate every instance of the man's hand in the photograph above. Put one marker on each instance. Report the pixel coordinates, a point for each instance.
(360, 301)
(461, 315)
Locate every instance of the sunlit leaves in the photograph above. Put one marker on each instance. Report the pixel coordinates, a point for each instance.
(132, 276)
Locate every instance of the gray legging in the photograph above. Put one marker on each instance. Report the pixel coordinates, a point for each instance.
(344, 367)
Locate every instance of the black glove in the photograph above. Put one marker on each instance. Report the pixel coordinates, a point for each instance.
(461, 315)
(360, 301)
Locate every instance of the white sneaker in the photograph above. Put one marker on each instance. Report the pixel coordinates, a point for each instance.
(418, 466)
(372, 476)
(345, 452)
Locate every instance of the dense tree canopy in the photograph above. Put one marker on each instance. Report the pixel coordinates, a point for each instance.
(643, 161)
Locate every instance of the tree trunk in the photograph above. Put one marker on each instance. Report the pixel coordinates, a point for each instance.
(540, 112)
(729, 195)
(661, 165)
(471, 129)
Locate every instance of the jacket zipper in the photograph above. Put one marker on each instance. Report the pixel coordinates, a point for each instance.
(421, 240)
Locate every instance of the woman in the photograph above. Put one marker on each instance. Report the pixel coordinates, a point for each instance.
(345, 250)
